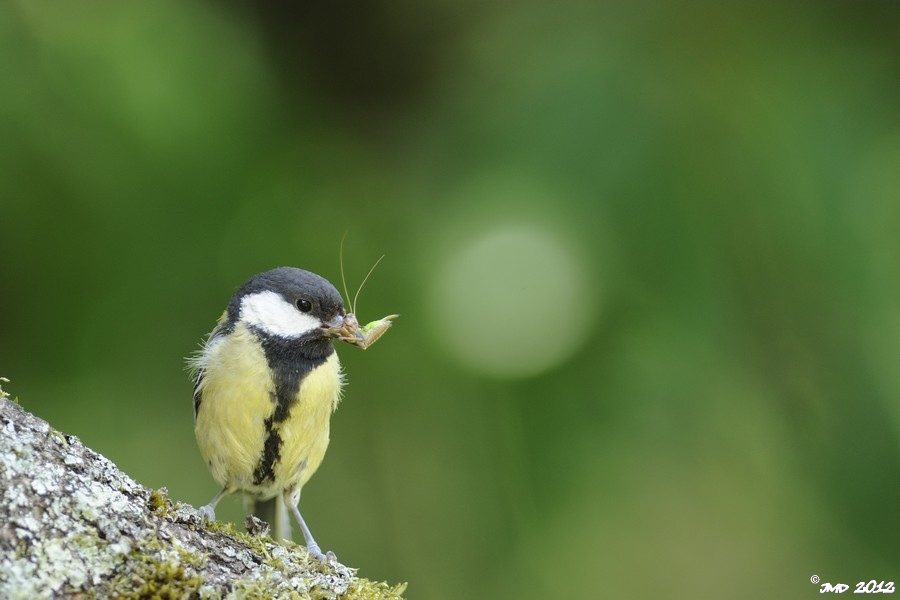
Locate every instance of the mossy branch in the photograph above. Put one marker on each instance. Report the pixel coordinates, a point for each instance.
(74, 525)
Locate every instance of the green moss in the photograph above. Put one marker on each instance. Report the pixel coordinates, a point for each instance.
(3, 393)
(154, 570)
(254, 543)
(159, 503)
(290, 561)
(363, 589)
(163, 580)
(59, 435)
(226, 527)
(261, 589)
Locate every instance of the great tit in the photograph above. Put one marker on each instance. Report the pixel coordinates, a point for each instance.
(266, 383)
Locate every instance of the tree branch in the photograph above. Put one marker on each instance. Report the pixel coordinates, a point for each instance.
(74, 525)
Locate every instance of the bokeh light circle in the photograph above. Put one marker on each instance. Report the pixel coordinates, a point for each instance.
(512, 302)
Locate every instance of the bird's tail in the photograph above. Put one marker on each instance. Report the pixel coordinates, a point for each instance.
(274, 512)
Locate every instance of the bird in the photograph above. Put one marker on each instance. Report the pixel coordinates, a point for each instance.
(266, 382)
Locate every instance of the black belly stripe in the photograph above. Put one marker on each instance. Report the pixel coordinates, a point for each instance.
(265, 468)
(290, 361)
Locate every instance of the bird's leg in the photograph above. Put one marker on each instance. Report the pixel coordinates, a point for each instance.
(292, 499)
(208, 511)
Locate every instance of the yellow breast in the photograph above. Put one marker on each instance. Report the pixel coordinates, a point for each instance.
(237, 397)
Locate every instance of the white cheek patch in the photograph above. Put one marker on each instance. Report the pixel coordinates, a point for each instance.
(273, 314)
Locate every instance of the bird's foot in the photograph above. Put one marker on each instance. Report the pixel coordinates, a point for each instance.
(315, 552)
(207, 513)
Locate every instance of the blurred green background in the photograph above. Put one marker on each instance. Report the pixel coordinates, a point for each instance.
(647, 258)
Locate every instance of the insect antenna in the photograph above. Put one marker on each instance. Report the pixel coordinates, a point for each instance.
(365, 279)
(344, 279)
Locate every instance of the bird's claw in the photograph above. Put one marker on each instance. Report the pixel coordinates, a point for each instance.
(315, 552)
(207, 513)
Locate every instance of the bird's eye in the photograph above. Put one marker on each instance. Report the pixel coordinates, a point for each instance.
(304, 305)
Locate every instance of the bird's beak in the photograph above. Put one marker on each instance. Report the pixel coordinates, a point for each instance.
(344, 327)
(335, 327)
